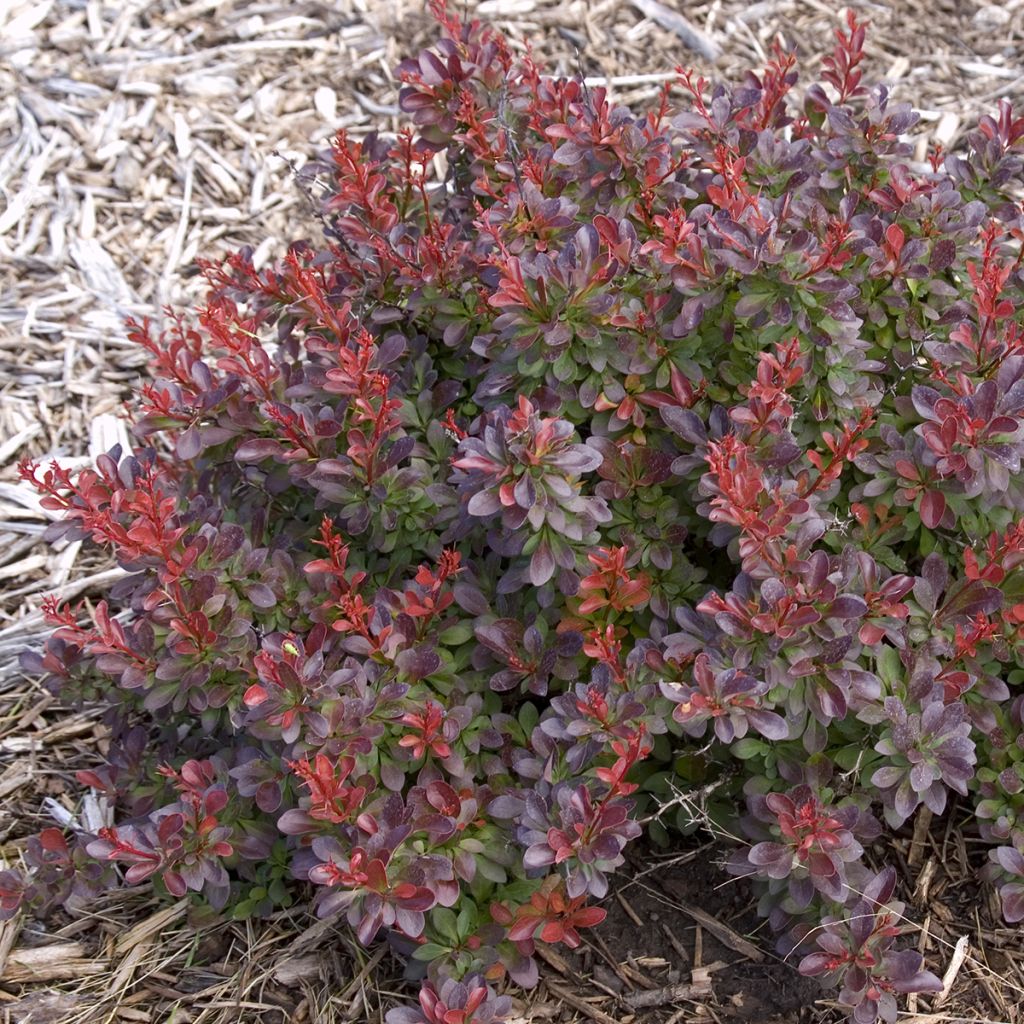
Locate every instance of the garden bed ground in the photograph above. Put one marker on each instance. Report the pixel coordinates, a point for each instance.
(137, 135)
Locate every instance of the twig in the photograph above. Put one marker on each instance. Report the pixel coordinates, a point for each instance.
(668, 994)
(593, 81)
(178, 242)
(722, 932)
(673, 939)
(9, 932)
(917, 844)
(691, 36)
(960, 951)
(60, 962)
(581, 1005)
(630, 912)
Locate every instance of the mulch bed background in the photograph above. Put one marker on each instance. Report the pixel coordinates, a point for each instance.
(136, 136)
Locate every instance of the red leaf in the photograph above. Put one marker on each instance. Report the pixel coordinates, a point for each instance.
(588, 917)
(895, 237)
(933, 507)
(254, 696)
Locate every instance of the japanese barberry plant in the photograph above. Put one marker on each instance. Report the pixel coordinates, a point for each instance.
(594, 454)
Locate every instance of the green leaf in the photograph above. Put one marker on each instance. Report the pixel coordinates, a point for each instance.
(445, 924)
(658, 834)
(686, 822)
(519, 891)
(564, 367)
(890, 668)
(830, 326)
(456, 635)
(430, 951)
(529, 716)
(466, 923)
(847, 758)
(658, 782)
(747, 748)
(243, 910)
(491, 871)
(988, 808)
(691, 767)
(530, 370)
(927, 542)
(662, 748)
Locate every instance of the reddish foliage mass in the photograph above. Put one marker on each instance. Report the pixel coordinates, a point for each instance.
(696, 431)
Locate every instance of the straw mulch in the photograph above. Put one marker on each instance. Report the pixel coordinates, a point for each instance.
(136, 135)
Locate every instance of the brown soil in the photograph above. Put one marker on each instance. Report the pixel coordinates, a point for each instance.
(771, 992)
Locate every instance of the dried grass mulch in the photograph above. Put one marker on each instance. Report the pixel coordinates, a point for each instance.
(136, 135)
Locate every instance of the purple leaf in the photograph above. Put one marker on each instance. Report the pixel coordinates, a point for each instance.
(815, 964)
(484, 503)
(686, 423)
(470, 598)
(933, 508)
(261, 595)
(257, 450)
(542, 565)
(189, 444)
(419, 662)
(848, 607)
(767, 853)
(506, 806)
(770, 725)
(540, 855)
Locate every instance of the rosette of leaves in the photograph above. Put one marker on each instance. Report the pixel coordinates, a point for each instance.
(1006, 868)
(470, 1001)
(855, 952)
(533, 655)
(810, 845)
(525, 471)
(729, 698)
(928, 753)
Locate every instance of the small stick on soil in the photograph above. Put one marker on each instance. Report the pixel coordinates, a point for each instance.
(61, 962)
(558, 963)
(655, 78)
(921, 826)
(979, 966)
(14, 778)
(581, 1005)
(668, 994)
(630, 912)
(924, 881)
(635, 971)
(364, 973)
(629, 975)
(9, 932)
(922, 945)
(960, 952)
(722, 932)
(922, 942)
(681, 950)
(690, 35)
(148, 927)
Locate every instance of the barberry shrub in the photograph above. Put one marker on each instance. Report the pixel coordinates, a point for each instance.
(593, 456)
